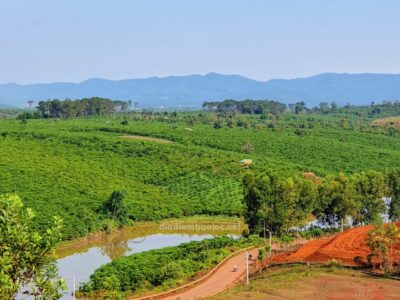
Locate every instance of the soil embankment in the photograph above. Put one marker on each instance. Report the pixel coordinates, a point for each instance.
(343, 247)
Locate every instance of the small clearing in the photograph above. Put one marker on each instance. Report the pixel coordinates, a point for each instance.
(388, 122)
(146, 138)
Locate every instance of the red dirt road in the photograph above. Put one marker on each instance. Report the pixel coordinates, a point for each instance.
(219, 281)
(343, 247)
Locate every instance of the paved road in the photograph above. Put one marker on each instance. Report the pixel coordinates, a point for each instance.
(219, 281)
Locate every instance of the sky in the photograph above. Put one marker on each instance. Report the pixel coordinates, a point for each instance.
(73, 40)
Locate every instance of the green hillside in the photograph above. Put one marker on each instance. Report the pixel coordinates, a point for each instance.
(70, 167)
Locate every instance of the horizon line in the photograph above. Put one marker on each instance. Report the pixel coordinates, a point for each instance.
(194, 74)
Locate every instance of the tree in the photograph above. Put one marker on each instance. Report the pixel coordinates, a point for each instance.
(371, 187)
(67, 108)
(394, 190)
(381, 240)
(299, 107)
(334, 107)
(337, 200)
(281, 203)
(27, 257)
(116, 206)
(324, 107)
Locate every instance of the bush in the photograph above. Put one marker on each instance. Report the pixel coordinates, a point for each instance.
(261, 254)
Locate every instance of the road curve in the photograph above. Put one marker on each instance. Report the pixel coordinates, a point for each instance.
(223, 278)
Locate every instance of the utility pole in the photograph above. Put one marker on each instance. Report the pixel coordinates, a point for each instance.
(270, 243)
(264, 228)
(247, 268)
(73, 292)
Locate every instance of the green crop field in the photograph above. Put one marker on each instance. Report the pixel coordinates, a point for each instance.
(69, 167)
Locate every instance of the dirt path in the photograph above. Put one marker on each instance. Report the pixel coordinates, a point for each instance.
(219, 281)
(146, 138)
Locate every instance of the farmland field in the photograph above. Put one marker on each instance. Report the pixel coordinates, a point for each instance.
(70, 167)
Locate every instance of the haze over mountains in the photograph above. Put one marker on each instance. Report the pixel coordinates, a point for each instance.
(193, 90)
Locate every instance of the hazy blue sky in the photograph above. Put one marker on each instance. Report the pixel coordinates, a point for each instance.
(72, 40)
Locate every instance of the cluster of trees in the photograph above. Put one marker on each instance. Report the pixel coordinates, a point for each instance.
(165, 267)
(287, 202)
(85, 107)
(246, 106)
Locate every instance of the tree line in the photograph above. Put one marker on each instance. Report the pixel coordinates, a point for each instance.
(283, 203)
(246, 106)
(85, 107)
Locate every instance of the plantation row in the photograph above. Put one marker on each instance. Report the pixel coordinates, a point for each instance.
(70, 167)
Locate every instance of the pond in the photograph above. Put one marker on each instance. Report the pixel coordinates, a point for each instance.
(79, 258)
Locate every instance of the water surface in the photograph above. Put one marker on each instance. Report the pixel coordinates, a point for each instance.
(79, 259)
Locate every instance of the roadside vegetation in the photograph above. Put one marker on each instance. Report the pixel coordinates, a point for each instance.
(161, 269)
(27, 261)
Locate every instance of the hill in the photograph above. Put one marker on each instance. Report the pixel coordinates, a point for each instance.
(193, 90)
(70, 167)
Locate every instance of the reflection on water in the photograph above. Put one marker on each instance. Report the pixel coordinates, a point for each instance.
(80, 266)
(116, 250)
(81, 258)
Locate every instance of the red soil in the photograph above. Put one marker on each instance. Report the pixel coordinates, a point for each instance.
(343, 247)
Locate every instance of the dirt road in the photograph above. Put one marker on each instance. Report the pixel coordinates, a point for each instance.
(219, 281)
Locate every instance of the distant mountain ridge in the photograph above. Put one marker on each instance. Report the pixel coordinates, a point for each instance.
(193, 90)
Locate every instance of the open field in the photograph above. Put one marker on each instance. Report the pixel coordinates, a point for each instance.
(307, 282)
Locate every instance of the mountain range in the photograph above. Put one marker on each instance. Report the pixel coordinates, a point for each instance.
(193, 90)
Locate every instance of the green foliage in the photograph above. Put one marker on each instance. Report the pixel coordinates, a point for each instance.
(165, 267)
(261, 254)
(382, 240)
(70, 167)
(246, 106)
(312, 233)
(77, 108)
(394, 186)
(285, 239)
(283, 202)
(338, 199)
(116, 207)
(280, 202)
(26, 257)
(371, 187)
